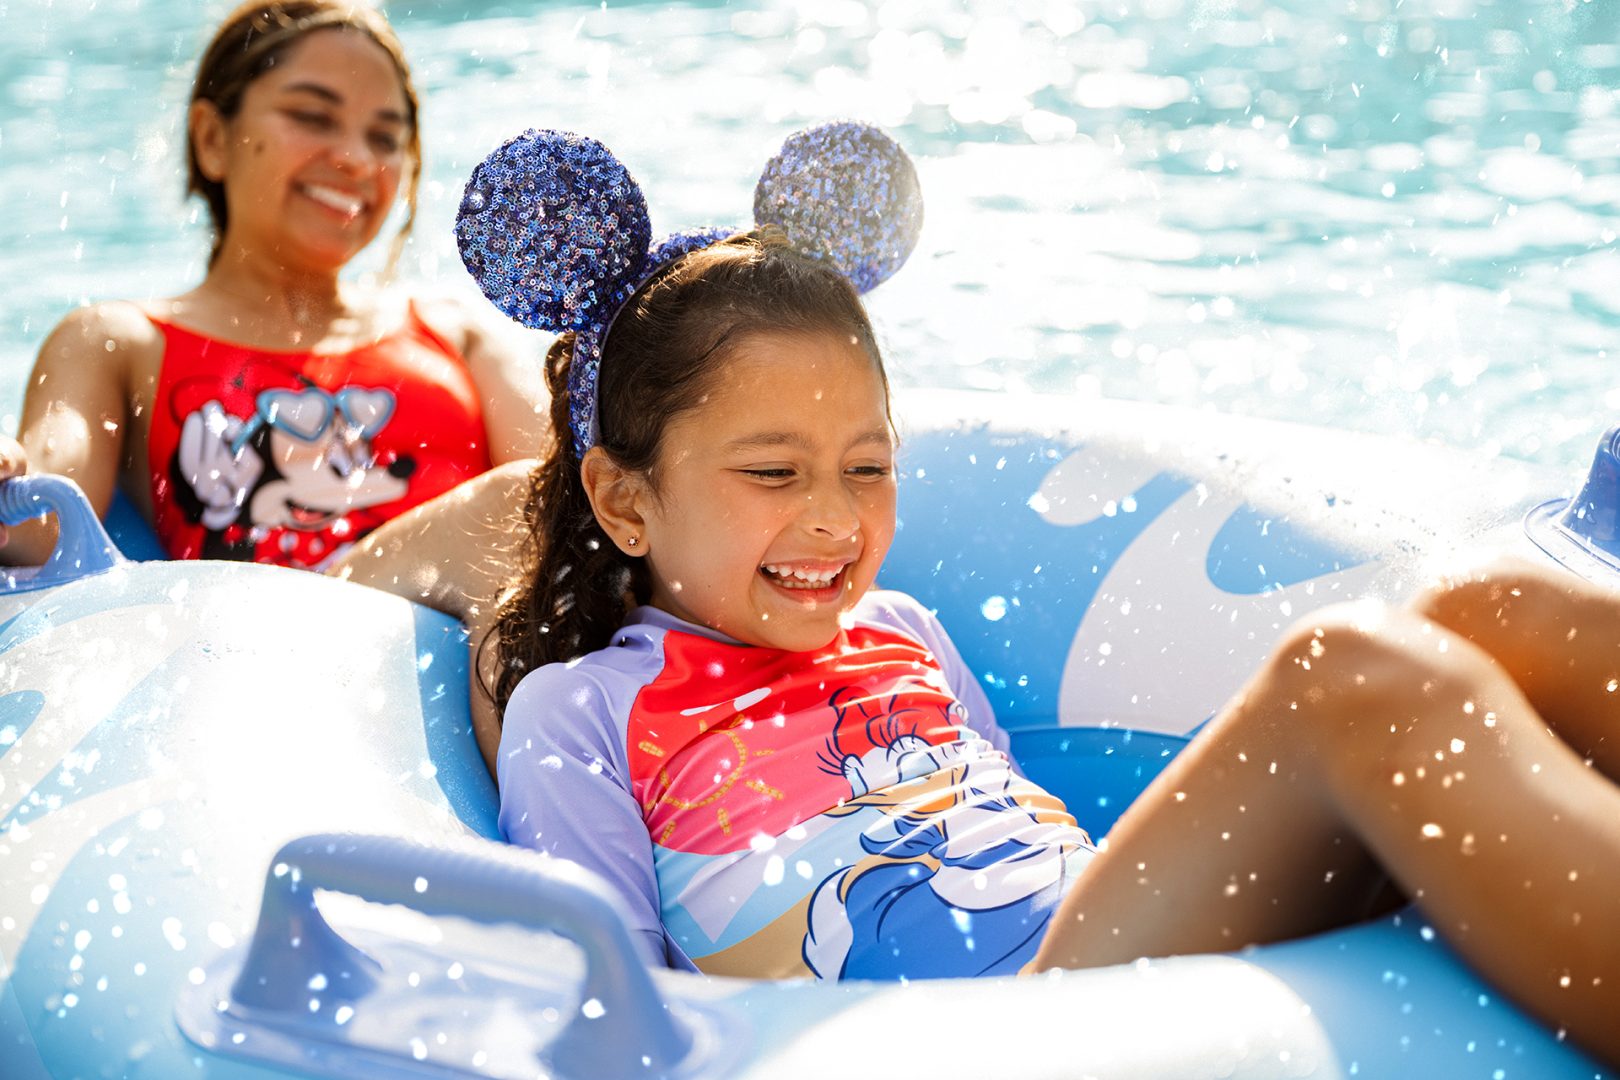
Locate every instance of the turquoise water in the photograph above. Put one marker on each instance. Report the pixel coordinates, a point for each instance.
(1387, 215)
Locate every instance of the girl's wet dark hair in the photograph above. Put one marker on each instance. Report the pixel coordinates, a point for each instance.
(668, 345)
(248, 44)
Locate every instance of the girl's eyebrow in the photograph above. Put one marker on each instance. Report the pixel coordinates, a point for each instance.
(332, 97)
(764, 440)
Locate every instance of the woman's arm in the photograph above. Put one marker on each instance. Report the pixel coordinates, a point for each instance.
(76, 410)
(456, 554)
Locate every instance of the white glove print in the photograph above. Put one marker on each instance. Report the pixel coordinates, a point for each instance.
(221, 478)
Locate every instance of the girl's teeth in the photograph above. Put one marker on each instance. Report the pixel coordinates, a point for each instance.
(801, 578)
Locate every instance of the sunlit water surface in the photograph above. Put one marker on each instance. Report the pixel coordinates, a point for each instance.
(1383, 215)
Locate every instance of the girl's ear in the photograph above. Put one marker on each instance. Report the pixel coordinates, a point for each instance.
(206, 129)
(616, 498)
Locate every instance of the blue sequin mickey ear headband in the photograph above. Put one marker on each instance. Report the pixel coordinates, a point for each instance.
(555, 230)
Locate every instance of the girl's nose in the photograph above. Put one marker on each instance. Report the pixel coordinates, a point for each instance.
(831, 512)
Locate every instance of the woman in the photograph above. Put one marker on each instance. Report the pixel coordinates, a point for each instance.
(274, 412)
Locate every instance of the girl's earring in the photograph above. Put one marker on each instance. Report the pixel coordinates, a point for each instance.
(633, 541)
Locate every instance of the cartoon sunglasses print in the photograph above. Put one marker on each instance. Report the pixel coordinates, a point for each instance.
(307, 414)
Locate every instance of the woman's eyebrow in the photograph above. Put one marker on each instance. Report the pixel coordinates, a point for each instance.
(332, 97)
(325, 93)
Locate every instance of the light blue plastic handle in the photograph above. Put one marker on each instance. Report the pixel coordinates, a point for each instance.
(82, 545)
(632, 1034)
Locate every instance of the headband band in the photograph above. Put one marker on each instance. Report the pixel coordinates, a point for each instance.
(555, 230)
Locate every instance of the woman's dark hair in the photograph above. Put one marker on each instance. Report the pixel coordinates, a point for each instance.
(667, 346)
(248, 44)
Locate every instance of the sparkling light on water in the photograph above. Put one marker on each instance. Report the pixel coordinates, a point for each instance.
(1399, 217)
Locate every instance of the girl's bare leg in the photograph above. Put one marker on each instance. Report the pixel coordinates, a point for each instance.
(1377, 740)
(1557, 636)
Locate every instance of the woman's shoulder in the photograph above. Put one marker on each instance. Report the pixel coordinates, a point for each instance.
(485, 342)
(113, 328)
(448, 317)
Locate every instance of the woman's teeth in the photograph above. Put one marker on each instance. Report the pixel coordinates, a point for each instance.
(791, 578)
(344, 204)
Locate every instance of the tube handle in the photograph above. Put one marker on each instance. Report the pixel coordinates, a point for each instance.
(82, 544)
(623, 1028)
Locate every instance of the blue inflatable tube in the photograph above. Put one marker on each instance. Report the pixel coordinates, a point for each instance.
(245, 831)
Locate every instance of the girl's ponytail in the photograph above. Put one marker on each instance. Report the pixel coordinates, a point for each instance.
(570, 593)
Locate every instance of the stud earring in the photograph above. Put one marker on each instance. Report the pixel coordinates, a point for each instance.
(633, 541)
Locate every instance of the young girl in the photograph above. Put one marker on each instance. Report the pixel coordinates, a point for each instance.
(784, 771)
(273, 412)
(781, 769)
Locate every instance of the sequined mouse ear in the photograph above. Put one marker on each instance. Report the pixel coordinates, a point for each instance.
(847, 193)
(554, 230)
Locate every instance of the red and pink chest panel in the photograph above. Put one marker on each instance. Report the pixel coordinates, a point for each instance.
(774, 738)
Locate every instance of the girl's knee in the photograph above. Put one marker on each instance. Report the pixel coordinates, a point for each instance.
(1352, 671)
(1508, 594)
(1346, 648)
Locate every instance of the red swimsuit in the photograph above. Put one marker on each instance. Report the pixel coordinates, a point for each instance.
(288, 458)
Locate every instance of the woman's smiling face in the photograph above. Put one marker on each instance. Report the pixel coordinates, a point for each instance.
(773, 503)
(315, 154)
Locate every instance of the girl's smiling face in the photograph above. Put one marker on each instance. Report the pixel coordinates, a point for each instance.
(772, 504)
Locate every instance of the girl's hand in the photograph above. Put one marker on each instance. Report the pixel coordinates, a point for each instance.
(13, 462)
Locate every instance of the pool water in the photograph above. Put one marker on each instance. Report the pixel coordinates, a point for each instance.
(1396, 216)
